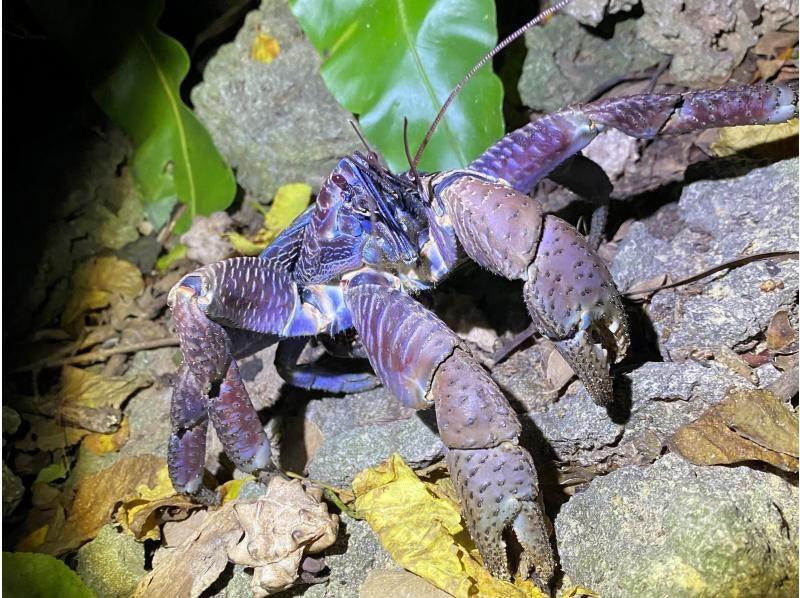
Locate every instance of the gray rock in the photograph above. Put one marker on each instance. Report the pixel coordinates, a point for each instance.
(342, 456)
(676, 529)
(592, 12)
(274, 123)
(716, 221)
(660, 397)
(11, 420)
(336, 415)
(111, 564)
(709, 38)
(565, 61)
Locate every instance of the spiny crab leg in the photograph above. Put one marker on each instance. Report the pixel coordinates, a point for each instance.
(424, 363)
(247, 295)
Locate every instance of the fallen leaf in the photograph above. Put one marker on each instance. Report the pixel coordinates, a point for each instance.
(290, 201)
(747, 425)
(766, 69)
(173, 255)
(100, 444)
(33, 575)
(96, 498)
(47, 434)
(97, 281)
(780, 332)
(139, 512)
(421, 530)
(774, 42)
(558, 371)
(265, 48)
(54, 471)
(271, 534)
(93, 390)
(230, 489)
(733, 140)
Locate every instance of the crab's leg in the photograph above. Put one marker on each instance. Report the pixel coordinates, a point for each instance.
(525, 156)
(216, 309)
(328, 373)
(423, 363)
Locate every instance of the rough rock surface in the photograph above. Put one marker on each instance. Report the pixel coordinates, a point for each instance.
(714, 222)
(342, 456)
(276, 122)
(112, 563)
(592, 12)
(709, 38)
(678, 529)
(566, 61)
(356, 552)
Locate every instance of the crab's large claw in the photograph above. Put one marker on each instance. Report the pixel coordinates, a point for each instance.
(572, 299)
(569, 291)
(423, 363)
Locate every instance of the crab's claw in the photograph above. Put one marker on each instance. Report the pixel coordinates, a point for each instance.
(573, 301)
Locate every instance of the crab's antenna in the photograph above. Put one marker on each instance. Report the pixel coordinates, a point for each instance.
(370, 153)
(412, 167)
(545, 14)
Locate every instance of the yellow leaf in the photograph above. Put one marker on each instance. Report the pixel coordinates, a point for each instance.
(100, 444)
(230, 490)
(96, 280)
(89, 389)
(33, 540)
(265, 48)
(243, 245)
(138, 514)
(733, 140)
(289, 203)
(420, 527)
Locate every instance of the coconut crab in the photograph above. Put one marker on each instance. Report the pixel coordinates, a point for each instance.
(372, 240)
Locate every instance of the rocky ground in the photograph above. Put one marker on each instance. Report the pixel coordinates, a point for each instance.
(685, 486)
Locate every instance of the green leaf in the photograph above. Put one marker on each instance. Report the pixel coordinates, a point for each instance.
(135, 71)
(389, 60)
(54, 471)
(28, 575)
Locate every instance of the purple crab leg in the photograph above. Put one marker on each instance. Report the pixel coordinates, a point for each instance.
(186, 454)
(525, 156)
(327, 374)
(424, 363)
(217, 310)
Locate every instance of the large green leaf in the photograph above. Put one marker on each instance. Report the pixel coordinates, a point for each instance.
(135, 72)
(387, 60)
(28, 575)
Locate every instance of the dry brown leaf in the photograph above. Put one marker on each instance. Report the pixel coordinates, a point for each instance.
(271, 533)
(640, 290)
(747, 425)
(47, 434)
(96, 281)
(558, 371)
(96, 499)
(760, 140)
(140, 511)
(780, 332)
(774, 42)
(93, 390)
(727, 358)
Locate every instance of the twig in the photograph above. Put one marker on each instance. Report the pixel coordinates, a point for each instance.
(724, 266)
(100, 355)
